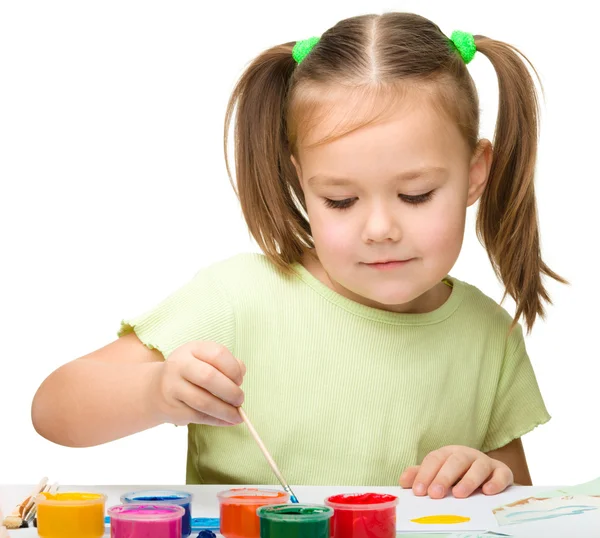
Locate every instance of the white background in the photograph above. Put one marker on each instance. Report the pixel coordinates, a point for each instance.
(114, 193)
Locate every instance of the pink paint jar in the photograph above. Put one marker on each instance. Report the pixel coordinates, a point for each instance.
(145, 521)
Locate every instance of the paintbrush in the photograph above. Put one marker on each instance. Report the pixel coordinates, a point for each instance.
(29, 513)
(15, 520)
(267, 456)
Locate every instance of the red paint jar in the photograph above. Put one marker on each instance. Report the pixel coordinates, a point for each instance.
(363, 515)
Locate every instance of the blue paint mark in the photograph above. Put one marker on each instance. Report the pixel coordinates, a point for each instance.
(538, 515)
(206, 523)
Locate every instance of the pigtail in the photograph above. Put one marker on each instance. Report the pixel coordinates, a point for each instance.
(266, 182)
(507, 223)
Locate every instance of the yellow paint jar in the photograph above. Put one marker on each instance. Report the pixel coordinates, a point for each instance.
(70, 515)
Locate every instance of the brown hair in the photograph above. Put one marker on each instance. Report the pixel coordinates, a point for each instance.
(275, 99)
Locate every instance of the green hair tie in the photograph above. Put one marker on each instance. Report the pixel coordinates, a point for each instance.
(465, 43)
(302, 48)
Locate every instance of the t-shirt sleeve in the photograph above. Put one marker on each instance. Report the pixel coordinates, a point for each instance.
(518, 404)
(199, 310)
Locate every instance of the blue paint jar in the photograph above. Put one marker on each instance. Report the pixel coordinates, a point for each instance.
(160, 496)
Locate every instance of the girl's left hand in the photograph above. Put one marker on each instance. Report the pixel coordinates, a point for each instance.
(466, 467)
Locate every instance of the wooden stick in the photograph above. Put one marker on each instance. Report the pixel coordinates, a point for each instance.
(267, 456)
(15, 520)
(31, 500)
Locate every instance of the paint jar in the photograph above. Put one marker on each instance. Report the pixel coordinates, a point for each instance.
(238, 510)
(156, 496)
(294, 521)
(146, 521)
(364, 515)
(70, 515)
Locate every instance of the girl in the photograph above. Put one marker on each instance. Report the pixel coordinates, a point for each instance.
(362, 361)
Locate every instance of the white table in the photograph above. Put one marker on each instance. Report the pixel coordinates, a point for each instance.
(205, 505)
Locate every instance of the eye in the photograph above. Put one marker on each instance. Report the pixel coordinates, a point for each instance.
(417, 199)
(339, 204)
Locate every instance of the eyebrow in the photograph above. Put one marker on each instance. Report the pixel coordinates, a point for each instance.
(410, 174)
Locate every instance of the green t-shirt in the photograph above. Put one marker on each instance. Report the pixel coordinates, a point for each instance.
(342, 393)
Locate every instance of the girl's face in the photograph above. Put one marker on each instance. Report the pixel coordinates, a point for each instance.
(387, 204)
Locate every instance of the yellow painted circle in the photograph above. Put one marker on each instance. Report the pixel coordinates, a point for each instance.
(446, 519)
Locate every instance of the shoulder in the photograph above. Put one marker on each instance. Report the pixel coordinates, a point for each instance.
(478, 303)
(250, 273)
(482, 314)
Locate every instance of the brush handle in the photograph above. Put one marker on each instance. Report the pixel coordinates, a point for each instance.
(267, 456)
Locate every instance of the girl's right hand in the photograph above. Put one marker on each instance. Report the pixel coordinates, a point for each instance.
(199, 383)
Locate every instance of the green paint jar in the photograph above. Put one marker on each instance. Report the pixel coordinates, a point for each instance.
(294, 521)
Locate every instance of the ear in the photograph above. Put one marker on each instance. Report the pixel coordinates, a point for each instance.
(479, 170)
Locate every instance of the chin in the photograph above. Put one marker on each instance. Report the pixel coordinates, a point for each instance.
(392, 297)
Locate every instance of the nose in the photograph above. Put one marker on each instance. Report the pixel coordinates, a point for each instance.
(382, 225)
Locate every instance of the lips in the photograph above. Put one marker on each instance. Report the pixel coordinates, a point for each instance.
(388, 264)
(382, 262)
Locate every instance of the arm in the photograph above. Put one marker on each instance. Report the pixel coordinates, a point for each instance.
(99, 397)
(125, 387)
(513, 455)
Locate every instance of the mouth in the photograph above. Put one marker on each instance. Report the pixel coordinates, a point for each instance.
(388, 264)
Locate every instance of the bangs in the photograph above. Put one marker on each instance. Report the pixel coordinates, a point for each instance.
(313, 106)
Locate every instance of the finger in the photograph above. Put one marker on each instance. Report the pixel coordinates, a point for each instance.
(186, 415)
(206, 376)
(212, 421)
(454, 467)
(407, 478)
(201, 400)
(480, 471)
(428, 470)
(219, 357)
(501, 478)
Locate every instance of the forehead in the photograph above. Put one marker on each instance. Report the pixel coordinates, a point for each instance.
(403, 128)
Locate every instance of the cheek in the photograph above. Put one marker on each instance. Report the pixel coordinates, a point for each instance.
(441, 232)
(331, 231)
